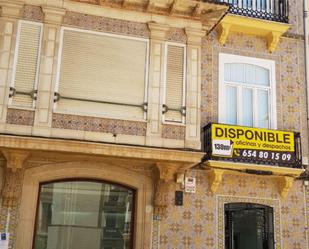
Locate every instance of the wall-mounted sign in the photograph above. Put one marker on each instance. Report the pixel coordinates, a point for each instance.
(254, 145)
(4, 240)
(190, 185)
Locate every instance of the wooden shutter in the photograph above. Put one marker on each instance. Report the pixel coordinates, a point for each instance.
(174, 83)
(103, 68)
(26, 62)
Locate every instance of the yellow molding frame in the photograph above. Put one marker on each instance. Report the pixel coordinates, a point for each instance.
(284, 176)
(271, 31)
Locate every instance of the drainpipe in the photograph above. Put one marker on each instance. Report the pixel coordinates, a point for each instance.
(306, 20)
(306, 31)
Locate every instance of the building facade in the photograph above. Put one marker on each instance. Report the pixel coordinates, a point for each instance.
(104, 135)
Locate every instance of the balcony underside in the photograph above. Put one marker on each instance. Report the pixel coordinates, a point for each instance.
(284, 177)
(209, 13)
(271, 31)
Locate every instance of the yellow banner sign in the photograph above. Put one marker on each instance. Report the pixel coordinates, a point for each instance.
(253, 138)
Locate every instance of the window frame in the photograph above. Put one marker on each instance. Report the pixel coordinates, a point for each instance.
(59, 62)
(93, 180)
(15, 59)
(264, 63)
(269, 223)
(184, 46)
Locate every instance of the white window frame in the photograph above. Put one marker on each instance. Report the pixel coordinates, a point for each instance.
(267, 64)
(183, 119)
(36, 81)
(59, 57)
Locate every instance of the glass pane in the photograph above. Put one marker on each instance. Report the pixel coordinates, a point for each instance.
(247, 107)
(82, 215)
(227, 72)
(263, 109)
(231, 105)
(250, 74)
(262, 76)
(256, 75)
(237, 72)
(248, 226)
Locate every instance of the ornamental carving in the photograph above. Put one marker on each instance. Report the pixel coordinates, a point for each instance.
(13, 176)
(11, 190)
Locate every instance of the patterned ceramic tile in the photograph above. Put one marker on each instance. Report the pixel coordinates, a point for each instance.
(290, 101)
(105, 24)
(173, 131)
(199, 223)
(115, 126)
(33, 13)
(177, 35)
(20, 117)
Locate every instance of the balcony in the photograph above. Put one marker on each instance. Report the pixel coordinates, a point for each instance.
(272, 10)
(239, 149)
(266, 18)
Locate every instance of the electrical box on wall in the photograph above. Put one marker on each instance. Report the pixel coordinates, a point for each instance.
(178, 198)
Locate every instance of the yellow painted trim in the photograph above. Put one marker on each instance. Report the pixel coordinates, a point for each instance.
(278, 171)
(284, 176)
(271, 31)
(285, 184)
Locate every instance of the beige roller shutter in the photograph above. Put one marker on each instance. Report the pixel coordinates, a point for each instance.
(26, 62)
(103, 68)
(174, 82)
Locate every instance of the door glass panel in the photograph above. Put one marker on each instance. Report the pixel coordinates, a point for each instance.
(231, 105)
(247, 106)
(83, 215)
(248, 226)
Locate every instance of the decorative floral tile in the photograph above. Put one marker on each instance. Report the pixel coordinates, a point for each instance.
(173, 131)
(20, 117)
(115, 126)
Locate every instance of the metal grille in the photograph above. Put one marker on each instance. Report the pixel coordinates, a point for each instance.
(273, 10)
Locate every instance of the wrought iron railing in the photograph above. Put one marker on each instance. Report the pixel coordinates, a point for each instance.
(273, 10)
(291, 158)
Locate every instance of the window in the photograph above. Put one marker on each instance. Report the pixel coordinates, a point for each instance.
(247, 94)
(83, 215)
(174, 101)
(248, 225)
(26, 64)
(102, 75)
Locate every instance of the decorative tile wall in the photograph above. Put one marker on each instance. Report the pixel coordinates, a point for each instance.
(33, 13)
(290, 81)
(177, 35)
(115, 126)
(106, 24)
(173, 131)
(20, 117)
(198, 223)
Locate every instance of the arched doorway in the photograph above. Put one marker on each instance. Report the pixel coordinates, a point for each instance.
(80, 214)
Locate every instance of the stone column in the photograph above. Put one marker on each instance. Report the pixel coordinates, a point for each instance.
(158, 33)
(193, 95)
(10, 13)
(48, 66)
